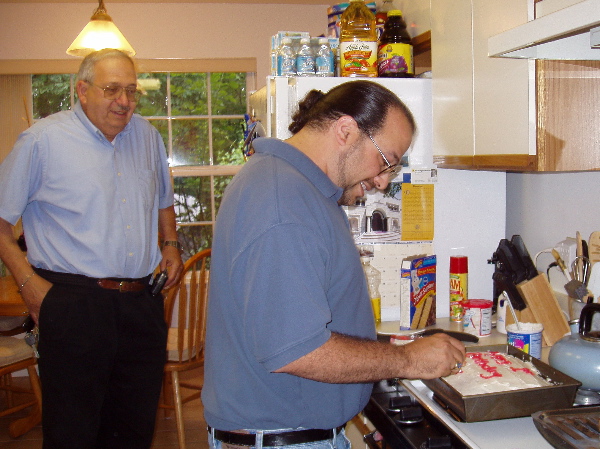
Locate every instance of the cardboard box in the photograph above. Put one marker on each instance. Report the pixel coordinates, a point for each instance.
(417, 292)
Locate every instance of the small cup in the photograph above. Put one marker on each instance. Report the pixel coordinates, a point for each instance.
(528, 338)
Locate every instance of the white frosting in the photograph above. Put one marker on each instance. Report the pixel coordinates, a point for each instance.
(493, 372)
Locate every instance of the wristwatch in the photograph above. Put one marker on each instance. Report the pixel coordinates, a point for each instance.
(174, 243)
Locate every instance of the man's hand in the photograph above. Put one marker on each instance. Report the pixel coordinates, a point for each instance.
(172, 262)
(33, 294)
(434, 356)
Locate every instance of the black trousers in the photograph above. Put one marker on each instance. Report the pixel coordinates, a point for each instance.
(102, 355)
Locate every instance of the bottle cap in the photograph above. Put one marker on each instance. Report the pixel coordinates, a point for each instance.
(394, 12)
(459, 264)
(305, 40)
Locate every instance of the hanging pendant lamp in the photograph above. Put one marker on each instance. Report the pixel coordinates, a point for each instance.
(99, 33)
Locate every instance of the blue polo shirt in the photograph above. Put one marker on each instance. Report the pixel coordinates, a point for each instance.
(285, 273)
(89, 206)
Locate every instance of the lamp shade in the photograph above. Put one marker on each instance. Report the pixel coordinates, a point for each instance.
(99, 33)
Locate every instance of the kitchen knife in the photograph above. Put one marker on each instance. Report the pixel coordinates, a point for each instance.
(519, 246)
(461, 336)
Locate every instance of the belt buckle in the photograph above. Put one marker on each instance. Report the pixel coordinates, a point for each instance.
(121, 285)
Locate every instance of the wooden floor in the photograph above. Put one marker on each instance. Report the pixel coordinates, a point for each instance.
(165, 436)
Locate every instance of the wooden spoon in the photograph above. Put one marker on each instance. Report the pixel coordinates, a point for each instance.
(594, 247)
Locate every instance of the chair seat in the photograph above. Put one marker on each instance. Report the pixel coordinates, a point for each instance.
(13, 350)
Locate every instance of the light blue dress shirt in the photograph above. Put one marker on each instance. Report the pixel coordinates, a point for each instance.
(89, 206)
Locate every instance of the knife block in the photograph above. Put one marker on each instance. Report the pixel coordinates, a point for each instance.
(543, 306)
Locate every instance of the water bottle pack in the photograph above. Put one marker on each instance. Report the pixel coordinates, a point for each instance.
(297, 54)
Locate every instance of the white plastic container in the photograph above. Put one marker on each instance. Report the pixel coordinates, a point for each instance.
(527, 338)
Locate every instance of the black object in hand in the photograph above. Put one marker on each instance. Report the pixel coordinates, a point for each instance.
(159, 282)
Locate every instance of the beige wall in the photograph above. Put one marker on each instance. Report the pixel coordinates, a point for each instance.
(155, 30)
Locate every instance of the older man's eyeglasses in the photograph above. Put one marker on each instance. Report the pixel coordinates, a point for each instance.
(391, 170)
(115, 92)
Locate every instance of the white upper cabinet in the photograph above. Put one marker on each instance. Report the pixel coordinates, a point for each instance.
(562, 29)
(480, 104)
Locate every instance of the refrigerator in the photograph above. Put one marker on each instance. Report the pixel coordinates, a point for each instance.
(467, 209)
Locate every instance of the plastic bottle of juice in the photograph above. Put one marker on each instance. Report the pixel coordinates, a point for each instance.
(373, 276)
(358, 41)
(395, 52)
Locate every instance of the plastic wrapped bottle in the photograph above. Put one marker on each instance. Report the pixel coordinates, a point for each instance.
(324, 62)
(305, 59)
(381, 15)
(358, 41)
(286, 58)
(274, 53)
(373, 277)
(395, 51)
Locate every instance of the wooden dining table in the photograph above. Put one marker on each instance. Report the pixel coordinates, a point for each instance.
(11, 302)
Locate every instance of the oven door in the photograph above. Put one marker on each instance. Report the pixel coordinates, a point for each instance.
(404, 423)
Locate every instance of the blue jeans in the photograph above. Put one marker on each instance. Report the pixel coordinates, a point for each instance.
(340, 441)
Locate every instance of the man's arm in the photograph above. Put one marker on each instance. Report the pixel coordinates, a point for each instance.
(171, 256)
(344, 359)
(34, 287)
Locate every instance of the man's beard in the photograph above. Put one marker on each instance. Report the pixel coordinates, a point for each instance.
(347, 198)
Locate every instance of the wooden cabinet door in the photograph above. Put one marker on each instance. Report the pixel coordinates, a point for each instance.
(568, 115)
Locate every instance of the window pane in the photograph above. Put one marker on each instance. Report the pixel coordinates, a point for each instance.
(154, 102)
(190, 142)
(194, 239)
(51, 93)
(188, 94)
(228, 93)
(228, 141)
(192, 199)
(163, 129)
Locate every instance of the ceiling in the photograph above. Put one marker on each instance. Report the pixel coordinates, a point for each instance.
(108, 2)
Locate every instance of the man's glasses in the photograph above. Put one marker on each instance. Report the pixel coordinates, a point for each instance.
(115, 92)
(391, 170)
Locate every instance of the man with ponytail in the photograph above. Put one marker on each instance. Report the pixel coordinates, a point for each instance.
(291, 350)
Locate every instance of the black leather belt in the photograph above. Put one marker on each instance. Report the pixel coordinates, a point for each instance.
(276, 439)
(122, 285)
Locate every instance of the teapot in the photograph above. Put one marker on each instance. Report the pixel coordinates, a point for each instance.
(578, 354)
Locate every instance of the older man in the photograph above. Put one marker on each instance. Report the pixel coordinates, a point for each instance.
(92, 187)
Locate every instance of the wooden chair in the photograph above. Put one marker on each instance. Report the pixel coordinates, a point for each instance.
(16, 355)
(185, 314)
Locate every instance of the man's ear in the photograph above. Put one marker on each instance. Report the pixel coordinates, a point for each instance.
(346, 131)
(82, 88)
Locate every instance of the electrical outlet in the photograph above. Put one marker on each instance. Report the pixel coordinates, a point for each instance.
(567, 250)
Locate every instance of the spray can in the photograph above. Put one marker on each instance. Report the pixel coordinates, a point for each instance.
(459, 287)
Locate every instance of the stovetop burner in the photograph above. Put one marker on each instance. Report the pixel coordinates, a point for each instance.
(587, 397)
(404, 423)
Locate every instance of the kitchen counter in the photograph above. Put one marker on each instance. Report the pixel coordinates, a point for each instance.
(515, 433)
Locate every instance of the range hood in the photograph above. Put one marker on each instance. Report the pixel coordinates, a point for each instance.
(569, 33)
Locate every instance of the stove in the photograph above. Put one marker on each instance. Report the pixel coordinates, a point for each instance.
(404, 423)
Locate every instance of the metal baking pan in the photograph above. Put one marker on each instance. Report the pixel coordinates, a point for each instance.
(575, 428)
(507, 404)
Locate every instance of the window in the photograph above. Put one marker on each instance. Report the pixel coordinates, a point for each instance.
(200, 116)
